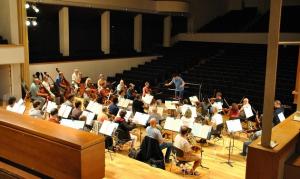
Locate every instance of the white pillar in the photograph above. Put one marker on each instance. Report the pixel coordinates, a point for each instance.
(15, 73)
(64, 31)
(138, 30)
(105, 32)
(167, 31)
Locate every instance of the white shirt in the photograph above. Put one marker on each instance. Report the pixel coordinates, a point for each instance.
(9, 108)
(216, 119)
(188, 122)
(181, 143)
(47, 86)
(75, 78)
(35, 113)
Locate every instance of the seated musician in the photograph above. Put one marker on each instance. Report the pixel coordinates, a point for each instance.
(69, 100)
(137, 104)
(277, 110)
(35, 91)
(146, 89)
(187, 119)
(154, 133)
(246, 104)
(113, 108)
(103, 115)
(36, 111)
(76, 112)
(154, 115)
(182, 143)
(54, 116)
(124, 129)
(215, 117)
(121, 86)
(234, 112)
(48, 86)
(121, 94)
(131, 92)
(11, 102)
(76, 80)
(90, 90)
(218, 102)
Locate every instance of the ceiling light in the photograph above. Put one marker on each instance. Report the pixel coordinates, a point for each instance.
(27, 6)
(34, 23)
(28, 23)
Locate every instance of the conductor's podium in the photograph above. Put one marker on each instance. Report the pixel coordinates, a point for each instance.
(49, 150)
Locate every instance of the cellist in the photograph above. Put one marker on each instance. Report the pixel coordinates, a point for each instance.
(35, 92)
(64, 85)
(46, 84)
(76, 78)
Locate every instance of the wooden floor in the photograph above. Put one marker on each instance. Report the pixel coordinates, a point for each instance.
(214, 157)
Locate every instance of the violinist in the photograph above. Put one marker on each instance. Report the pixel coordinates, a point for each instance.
(76, 78)
(101, 82)
(218, 102)
(121, 86)
(146, 89)
(104, 94)
(121, 94)
(246, 104)
(46, 84)
(234, 112)
(90, 90)
(35, 92)
(131, 92)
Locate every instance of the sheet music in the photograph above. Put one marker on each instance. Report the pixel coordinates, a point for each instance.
(192, 108)
(89, 117)
(140, 118)
(75, 124)
(170, 105)
(64, 111)
(173, 124)
(18, 108)
(218, 105)
(234, 125)
(160, 110)
(218, 119)
(108, 127)
(201, 131)
(94, 107)
(248, 112)
(50, 105)
(127, 116)
(124, 102)
(281, 117)
(147, 98)
(193, 100)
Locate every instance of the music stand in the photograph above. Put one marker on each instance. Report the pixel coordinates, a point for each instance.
(107, 129)
(172, 125)
(232, 126)
(199, 88)
(140, 119)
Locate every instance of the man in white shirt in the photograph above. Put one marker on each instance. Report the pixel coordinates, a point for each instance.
(76, 79)
(246, 106)
(47, 85)
(182, 143)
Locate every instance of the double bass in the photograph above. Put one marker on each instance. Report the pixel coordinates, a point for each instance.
(64, 85)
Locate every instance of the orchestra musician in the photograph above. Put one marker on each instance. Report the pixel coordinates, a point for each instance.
(146, 89)
(245, 105)
(36, 111)
(76, 79)
(113, 108)
(90, 90)
(182, 143)
(11, 102)
(131, 92)
(277, 110)
(65, 88)
(187, 119)
(35, 92)
(46, 84)
(138, 105)
(54, 116)
(121, 86)
(155, 133)
(179, 85)
(121, 94)
(101, 82)
(217, 102)
(233, 112)
(76, 111)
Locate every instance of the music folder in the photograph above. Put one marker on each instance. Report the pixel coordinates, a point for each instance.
(147, 99)
(64, 111)
(89, 117)
(170, 105)
(75, 124)
(127, 116)
(234, 125)
(201, 131)
(94, 107)
(173, 124)
(108, 127)
(124, 103)
(281, 117)
(193, 100)
(140, 118)
(248, 112)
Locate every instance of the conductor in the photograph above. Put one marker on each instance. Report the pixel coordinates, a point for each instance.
(179, 86)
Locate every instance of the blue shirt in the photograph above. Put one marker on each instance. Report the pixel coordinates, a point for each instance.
(178, 82)
(113, 109)
(154, 133)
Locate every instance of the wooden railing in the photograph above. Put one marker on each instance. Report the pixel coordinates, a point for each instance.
(50, 149)
(264, 163)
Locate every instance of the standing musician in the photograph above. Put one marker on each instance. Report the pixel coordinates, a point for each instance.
(179, 85)
(36, 93)
(146, 89)
(48, 86)
(101, 82)
(76, 78)
(182, 143)
(64, 85)
(131, 92)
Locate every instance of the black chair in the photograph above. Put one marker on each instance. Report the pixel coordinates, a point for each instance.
(217, 133)
(176, 152)
(119, 142)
